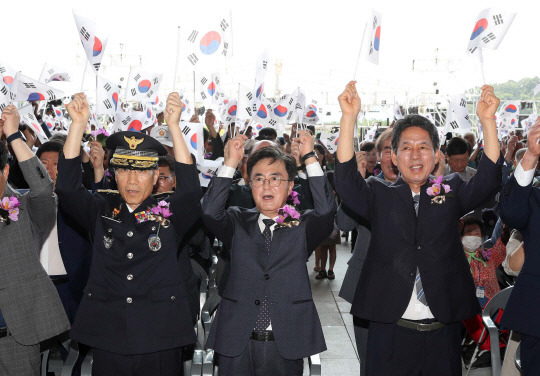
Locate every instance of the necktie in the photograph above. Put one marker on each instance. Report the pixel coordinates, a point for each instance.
(263, 320)
(418, 281)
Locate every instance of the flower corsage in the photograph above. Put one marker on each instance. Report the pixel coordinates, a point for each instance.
(439, 191)
(288, 216)
(160, 213)
(9, 209)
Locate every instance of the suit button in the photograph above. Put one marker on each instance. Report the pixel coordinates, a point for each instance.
(129, 300)
(266, 276)
(412, 274)
(130, 233)
(130, 255)
(418, 247)
(129, 277)
(89, 294)
(257, 302)
(173, 297)
(109, 230)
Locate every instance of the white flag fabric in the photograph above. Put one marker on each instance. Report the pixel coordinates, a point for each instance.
(397, 112)
(536, 89)
(207, 45)
(8, 76)
(27, 117)
(260, 74)
(228, 111)
(188, 108)
(300, 105)
(457, 116)
(134, 121)
(208, 169)
(193, 137)
(373, 30)
(283, 109)
(489, 30)
(370, 134)
(244, 105)
(107, 97)
(142, 86)
(209, 90)
(51, 73)
(509, 115)
(330, 141)
(27, 89)
(94, 45)
(158, 105)
(149, 116)
(58, 113)
(311, 112)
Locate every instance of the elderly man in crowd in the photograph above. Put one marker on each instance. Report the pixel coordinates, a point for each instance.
(30, 309)
(458, 152)
(415, 285)
(135, 313)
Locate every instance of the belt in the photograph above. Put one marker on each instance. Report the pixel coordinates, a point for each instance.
(265, 336)
(4, 332)
(420, 326)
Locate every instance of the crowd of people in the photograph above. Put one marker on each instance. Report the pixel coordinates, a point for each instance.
(99, 234)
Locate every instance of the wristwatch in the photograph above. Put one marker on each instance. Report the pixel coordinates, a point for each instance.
(309, 155)
(14, 136)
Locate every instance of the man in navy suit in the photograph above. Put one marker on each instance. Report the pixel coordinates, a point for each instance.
(266, 322)
(520, 208)
(416, 285)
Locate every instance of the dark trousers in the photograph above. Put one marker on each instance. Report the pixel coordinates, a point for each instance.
(361, 328)
(260, 358)
(530, 351)
(161, 363)
(394, 350)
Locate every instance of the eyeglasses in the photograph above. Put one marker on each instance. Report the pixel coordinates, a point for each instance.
(126, 171)
(163, 178)
(274, 181)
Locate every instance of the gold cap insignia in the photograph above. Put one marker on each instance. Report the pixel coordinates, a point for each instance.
(133, 142)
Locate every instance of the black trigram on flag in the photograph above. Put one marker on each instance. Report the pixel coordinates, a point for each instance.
(137, 77)
(291, 101)
(156, 80)
(298, 106)
(29, 85)
(52, 96)
(216, 80)
(2, 106)
(248, 110)
(193, 59)
(193, 36)
(249, 96)
(127, 120)
(204, 81)
(462, 103)
(472, 50)
(2, 70)
(224, 24)
(96, 66)
(85, 34)
(225, 48)
(133, 92)
(50, 71)
(107, 86)
(272, 122)
(203, 95)
(186, 130)
(4, 90)
(454, 124)
(107, 104)
(265, 64)
(498, 19)
(375, 21)
(488, 38)
(467, 117)
(150, 93)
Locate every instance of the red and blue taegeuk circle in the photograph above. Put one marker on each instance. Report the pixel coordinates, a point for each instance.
(232, 110)
(280, 110)
(98, 47)
(135, 126)
(262, 113)
(479, 28)
(144, 86)
(210, 42)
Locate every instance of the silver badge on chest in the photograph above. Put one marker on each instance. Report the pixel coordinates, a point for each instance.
(154, 243)
(108, 240)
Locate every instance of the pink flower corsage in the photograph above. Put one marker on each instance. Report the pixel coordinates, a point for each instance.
(438, 190)
(9, 209)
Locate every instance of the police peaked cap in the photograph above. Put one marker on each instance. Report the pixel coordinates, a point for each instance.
(135, 150)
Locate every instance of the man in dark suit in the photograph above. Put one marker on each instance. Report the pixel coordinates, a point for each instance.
(267, 320)
(30, 310)
(135, 312)
(520, 209)
(415, 285)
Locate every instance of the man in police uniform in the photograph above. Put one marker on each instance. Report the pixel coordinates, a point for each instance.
(135, 313)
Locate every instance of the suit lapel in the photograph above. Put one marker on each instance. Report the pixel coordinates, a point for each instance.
(250, 222)
(404, 192)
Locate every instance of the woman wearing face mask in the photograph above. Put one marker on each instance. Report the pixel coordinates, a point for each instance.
(483, 263)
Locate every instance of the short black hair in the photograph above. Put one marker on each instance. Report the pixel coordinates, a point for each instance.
(3, 155)
(458, 145)
(274, 154)
(367, 146)
(167, 161)
(311, 128)
(321, 149)
(414, 121)
(50, 146)
(267, 134)
(471, 220)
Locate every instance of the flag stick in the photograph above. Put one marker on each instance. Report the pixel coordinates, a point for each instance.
(84, 73)
(176, 61)
(481, 58)
(360, 52)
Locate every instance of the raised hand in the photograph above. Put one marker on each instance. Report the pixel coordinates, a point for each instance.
(361, 162)
(306, 142)
(97, 154)
(295, 151)
(173, 109)
(487, 105)
(234, 150)
(210, 118)
(349, 101)
(9, 123)
(79, 110)
(533, 139)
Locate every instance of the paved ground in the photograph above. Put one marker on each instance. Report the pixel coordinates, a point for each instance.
(341, 358)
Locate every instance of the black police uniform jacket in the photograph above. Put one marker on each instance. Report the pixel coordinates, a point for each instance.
(135, 301)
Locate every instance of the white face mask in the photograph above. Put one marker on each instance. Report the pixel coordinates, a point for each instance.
(472, 243)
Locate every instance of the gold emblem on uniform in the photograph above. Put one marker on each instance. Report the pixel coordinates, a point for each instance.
(133, 142)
